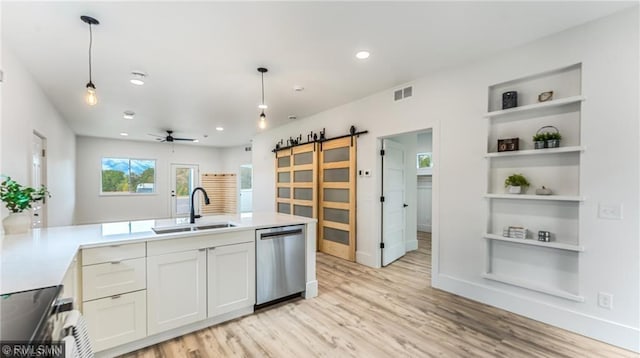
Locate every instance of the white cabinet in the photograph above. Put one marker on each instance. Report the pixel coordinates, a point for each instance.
(116, 320)
(231, 278)
(176, 289)
(113, 291)
(111, 278)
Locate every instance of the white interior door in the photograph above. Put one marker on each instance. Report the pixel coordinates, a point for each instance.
(38, 178)
(393, 207)
(184, 178)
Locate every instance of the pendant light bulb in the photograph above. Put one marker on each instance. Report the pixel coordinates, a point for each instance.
(91, 97)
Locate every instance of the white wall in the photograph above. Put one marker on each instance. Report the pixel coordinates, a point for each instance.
(27, 109)
(93, 207)
(453, 102)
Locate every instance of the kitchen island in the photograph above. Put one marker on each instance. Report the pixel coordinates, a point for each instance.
(163, 285)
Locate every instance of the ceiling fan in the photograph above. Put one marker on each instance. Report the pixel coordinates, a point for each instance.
(170, 138)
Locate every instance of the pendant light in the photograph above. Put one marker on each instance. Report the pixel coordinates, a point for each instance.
(263, 117)
(90, 97)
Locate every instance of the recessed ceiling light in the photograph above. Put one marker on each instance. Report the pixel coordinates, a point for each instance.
(362, 55)
(129, 114)
(137, 78)
(219, 129)
(124, 134)
(196, 141)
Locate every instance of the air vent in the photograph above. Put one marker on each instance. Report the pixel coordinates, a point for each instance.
(403, 93)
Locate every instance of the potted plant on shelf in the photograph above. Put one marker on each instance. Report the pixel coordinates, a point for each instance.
(553, 140)
(516, 184)
(18, 199)
(539, 140)
(547, 139)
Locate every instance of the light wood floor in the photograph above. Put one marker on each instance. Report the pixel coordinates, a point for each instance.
(390, 312)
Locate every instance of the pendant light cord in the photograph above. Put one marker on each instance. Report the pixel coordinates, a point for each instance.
(262, 74)
(90, 46)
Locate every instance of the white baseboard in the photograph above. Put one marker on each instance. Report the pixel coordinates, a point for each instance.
(424, 227)
(617, 334)
(365, 258)
(411, 245)
(311, 289)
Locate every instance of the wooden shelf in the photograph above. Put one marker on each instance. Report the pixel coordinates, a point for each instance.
(535, 197)
(533, 287)
(551, 245)
(535, 106)
(516, 153)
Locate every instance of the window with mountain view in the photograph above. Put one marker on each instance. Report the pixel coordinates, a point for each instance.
(125, 175)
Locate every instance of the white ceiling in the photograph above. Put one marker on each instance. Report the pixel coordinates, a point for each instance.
(201, 57)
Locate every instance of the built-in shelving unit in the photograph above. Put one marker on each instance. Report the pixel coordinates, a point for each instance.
(516, 153)
(551, 267)
(552, 245)
(535, 197)
(536, 106)
(533, 286)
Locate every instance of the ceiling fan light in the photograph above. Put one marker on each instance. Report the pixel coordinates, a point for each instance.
(137, 78)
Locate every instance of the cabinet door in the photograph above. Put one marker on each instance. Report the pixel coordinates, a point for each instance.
(231, 278)
(116, 320)
(176, 289)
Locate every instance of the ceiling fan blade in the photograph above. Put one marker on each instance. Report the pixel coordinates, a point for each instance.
(156, 135)
(185, 139)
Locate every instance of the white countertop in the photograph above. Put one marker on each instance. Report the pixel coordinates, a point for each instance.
(41, 257)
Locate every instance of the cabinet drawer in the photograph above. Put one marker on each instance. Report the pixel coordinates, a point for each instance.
(118, 320)
(98, 255)
(196, 242)
(113, 278)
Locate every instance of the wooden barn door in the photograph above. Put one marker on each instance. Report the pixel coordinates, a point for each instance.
(337, 210)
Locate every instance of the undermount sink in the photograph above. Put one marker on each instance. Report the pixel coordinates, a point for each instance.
(176, 229)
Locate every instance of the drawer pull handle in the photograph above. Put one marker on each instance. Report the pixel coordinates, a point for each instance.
(114, 245)
(202, 249)
(212, 248)
(116, 262)
(115, 297)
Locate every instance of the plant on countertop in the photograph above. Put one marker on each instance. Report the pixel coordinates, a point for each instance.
(516, 180)
(18, 198)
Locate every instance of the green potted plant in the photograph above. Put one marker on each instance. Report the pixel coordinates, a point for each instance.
(540, 140)
(553, 140)
(18, 199)
(516, 184)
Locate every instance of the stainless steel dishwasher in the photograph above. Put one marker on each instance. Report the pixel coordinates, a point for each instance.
(280, 263)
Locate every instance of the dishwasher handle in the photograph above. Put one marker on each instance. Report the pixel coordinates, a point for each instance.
(277, 234)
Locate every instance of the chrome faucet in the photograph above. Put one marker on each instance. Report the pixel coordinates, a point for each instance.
(192, 215)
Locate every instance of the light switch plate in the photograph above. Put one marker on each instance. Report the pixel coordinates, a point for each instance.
(610, 211)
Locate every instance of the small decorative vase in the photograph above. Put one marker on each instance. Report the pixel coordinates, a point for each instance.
(514, 189)
(539, 144)
(17, 223)
(553, 143)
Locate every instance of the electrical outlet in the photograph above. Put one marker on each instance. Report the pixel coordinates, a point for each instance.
(610, 211)
(605, 300)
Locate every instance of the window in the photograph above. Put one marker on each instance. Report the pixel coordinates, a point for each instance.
(424, 160)
(124, 175)
(246, 172)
